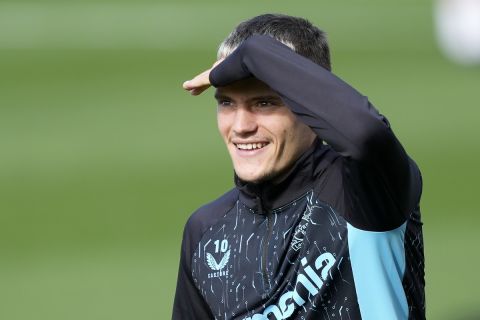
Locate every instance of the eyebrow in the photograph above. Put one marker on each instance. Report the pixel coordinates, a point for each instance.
(221, 97)
(256, 98)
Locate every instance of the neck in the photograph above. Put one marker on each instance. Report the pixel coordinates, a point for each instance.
(287, 186)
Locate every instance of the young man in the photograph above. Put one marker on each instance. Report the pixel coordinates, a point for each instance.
(324, 220)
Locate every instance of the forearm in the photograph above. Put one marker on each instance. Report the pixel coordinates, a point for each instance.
(334, 110)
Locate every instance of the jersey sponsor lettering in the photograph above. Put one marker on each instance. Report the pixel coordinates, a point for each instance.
(309, 279)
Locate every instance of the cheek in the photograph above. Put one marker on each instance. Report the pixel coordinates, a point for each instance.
(223, 124)
(286, 131)
(292, 136)
(302, 137)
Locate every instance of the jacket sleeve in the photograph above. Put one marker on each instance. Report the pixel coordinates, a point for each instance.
(384, 182)
(188, 303)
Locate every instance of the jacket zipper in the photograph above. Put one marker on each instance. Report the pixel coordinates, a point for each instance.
(266, 280)
(266, 240)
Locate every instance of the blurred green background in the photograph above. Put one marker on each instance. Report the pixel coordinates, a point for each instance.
(104, 157)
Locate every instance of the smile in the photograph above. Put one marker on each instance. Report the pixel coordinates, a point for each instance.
(250, 146)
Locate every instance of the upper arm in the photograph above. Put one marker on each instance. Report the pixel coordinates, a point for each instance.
(380, 198)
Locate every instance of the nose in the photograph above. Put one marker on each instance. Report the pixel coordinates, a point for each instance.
(245, 122)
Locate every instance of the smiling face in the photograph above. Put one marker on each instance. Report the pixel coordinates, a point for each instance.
(263, 137)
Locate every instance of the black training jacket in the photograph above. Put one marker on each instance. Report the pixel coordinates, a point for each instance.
(339, 238)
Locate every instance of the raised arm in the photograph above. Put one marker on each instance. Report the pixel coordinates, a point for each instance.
(335, 111)
(376, 163)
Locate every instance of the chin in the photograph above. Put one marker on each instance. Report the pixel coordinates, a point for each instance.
(257, 176)
(253, 177)
(250, 178)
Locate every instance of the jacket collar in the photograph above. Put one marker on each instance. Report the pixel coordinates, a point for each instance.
(266, 196)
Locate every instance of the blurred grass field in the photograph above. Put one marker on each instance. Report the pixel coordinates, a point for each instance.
(104, 157)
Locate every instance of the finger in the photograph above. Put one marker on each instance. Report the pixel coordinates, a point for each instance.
(198, 81)
(190, 88)
(193, 83)
(198, 90)
(187, 85)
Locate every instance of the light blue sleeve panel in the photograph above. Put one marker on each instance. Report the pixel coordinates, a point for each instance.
(378, 266)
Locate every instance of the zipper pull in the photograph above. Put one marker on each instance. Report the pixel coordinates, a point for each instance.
(259, 205)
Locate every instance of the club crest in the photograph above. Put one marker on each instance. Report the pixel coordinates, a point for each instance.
(212, 263)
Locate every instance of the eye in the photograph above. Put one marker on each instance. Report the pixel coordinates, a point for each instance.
(224, 103)
(265, 103)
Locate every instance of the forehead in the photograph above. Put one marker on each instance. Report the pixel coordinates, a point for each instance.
(246, 88)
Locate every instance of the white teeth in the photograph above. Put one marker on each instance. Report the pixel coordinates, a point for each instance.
(250, 146)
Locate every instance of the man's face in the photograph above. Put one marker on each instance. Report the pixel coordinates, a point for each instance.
(263, 137)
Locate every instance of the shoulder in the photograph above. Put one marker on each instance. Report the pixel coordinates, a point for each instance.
(328, 175)
(208, 215)
(328, 170)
